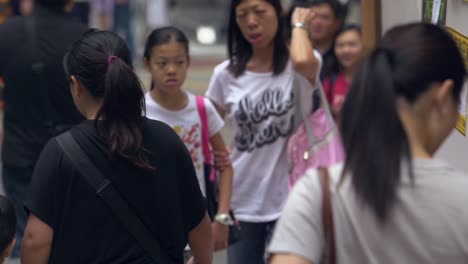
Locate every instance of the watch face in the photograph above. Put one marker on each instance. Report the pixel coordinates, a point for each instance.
(224, 219)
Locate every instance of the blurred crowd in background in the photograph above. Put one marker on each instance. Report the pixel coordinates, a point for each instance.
(133, 19)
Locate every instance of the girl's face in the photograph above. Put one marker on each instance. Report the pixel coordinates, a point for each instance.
(168, 66)
(349, 49)
(257, 21)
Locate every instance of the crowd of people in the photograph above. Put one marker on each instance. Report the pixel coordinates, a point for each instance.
(115, 15)
(100, 172)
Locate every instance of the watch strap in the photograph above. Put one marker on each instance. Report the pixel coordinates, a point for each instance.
(300, 25)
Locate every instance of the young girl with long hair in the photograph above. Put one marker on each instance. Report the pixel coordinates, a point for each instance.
(167, 58)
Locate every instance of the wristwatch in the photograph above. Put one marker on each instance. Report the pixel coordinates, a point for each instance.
(300, 25)
(224, 219)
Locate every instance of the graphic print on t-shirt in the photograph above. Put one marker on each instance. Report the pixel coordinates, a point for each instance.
(190, 136)
(263, 121)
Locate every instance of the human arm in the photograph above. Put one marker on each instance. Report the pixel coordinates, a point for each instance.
(200, 242)
(193, 205)
(298, 236)
(301, 49)
(222, 159)
(288, 259)
(42, 206)
(220, 231)
(37, 241)
(217, 96)
(220, 110)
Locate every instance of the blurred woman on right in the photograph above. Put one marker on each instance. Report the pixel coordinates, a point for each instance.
(392, 201)
(349, 50)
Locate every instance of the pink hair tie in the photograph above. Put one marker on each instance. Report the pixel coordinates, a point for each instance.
(110, 59)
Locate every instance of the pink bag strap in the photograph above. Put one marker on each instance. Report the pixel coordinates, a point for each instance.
(205, 134)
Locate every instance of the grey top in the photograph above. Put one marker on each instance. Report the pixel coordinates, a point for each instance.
(429, 223)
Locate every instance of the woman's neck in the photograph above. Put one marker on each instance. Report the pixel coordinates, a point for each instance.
(415, 130)
(92, 109)
(349, 73)
(261, 60)
(170, 101)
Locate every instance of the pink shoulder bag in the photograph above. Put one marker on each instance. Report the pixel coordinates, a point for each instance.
(316, 142)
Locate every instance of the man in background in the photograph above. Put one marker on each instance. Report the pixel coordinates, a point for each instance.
(329, 19)
(38, 103)
(81, 10)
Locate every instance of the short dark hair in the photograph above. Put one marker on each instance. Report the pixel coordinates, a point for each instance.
(240, 50)
(7, 222)
(350, 27)
(340, 10)
(53, 4)
(404, 65)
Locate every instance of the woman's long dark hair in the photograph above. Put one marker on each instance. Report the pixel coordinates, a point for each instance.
(240, 50)
(405, 63)
(101, 61)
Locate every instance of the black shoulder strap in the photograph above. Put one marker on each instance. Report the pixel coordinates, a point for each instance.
(106, 191)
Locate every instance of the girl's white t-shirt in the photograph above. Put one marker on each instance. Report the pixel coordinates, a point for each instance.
(187, 124)
(260, 107)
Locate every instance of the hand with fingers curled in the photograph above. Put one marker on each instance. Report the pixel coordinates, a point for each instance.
(220, 236)
(222, 159)
(302, 16)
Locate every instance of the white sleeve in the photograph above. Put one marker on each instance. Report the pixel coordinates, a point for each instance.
(299, 229)
(216, 89)
(215, 122)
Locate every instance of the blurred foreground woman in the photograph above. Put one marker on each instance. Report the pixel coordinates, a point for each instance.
(392, 202)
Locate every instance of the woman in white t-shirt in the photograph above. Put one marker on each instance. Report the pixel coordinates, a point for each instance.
(167, 59)
(254, 89)
(392, 202)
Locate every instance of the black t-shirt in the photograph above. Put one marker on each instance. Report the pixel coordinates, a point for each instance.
(168, 200)
(36, 105)
(329, 68)
(330, 65)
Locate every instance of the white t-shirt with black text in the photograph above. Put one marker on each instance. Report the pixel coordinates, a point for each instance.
(187, 124)
(260, 107)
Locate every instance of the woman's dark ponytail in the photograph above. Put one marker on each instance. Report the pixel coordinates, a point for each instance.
(121, 112)
(375, 165)
(407, 61)
(101, 61)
